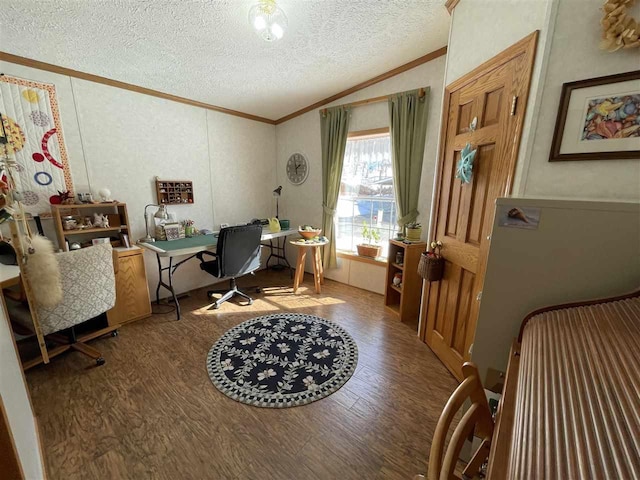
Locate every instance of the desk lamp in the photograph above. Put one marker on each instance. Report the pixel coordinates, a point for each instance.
(276, 193)
(161, 213)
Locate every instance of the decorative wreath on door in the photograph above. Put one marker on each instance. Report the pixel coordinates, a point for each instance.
(464, 168)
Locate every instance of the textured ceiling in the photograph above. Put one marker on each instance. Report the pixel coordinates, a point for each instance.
(207, 51)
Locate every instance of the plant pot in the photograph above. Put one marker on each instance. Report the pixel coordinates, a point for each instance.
(372, 251)
(413, 234)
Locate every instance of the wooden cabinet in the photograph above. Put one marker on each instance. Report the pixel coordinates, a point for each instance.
(132, 290)
(404, 300)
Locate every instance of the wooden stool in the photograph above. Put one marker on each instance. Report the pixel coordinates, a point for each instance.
(318, 270)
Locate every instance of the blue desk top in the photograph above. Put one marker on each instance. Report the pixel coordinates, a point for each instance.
(189, 246)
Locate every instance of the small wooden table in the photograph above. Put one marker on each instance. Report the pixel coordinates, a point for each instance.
(318, 269)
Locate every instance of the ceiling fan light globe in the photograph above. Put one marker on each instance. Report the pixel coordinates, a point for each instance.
(268, 20)
(277, 31)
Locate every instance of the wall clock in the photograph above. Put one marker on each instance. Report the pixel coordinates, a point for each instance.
(297, 168)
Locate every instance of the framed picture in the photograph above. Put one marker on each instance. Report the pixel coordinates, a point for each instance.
(598, 119)
(100, 240)
(172, 231)
(124, 239)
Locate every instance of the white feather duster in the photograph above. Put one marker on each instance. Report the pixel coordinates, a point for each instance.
(43, 271)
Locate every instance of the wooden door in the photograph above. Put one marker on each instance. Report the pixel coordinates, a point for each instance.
(493, 97)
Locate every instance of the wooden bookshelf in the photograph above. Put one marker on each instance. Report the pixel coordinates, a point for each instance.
(404, 301)
(116, 211)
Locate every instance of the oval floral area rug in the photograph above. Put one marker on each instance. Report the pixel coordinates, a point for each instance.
(282, 360)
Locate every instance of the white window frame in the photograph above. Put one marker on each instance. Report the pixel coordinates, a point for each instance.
(364, 135)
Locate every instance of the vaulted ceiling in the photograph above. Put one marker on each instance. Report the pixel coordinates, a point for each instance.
(206, 50)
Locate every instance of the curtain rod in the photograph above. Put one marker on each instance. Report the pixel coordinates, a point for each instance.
(367, 101)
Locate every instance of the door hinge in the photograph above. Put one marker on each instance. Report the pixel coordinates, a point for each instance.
(514, 105)
(479, 296)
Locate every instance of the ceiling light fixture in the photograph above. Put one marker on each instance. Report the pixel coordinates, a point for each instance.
(268, 20)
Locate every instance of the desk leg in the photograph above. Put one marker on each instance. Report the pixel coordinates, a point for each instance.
(270, 252)
(280, 253)
(299, 276)
(168, 286)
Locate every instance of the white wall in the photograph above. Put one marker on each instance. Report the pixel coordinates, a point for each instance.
(567, 51)
(481, 29)
(122, 140)
(17, 404)
(303, 204)
(575, 56)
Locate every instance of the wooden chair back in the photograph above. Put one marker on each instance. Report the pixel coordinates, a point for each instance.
(477, 419)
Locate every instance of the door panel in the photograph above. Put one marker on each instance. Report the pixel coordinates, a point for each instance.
(464, 212)
(480, 195)
(493, 107)
(455, 201)
(465, 115)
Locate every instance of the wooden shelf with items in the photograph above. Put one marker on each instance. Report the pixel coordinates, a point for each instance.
(132, 290)
(81, 214)
(85, 231)
(404, 300)
(174, 192)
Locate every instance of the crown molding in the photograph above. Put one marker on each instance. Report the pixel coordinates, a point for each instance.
(49, 67)
(450, 5)
(391, 73)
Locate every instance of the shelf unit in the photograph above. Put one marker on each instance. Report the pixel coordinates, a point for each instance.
(132, 290)
(404, 301)
(174, 192)
(116, 211)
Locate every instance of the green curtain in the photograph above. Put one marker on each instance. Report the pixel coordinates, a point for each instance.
(334, 127)
(408, 127)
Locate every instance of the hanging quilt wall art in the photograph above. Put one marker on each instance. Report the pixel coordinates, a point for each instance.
(31, 134)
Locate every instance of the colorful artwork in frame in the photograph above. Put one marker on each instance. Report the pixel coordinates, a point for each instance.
(599, 119)
(613, 117)
(31, 134)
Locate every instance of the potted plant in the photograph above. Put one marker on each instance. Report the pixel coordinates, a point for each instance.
(414, 231)
(371, 237)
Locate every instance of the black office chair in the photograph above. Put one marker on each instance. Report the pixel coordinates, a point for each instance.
(237, 254)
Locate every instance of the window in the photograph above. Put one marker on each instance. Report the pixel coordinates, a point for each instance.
(366, 192)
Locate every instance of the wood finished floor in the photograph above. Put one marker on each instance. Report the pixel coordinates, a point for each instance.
(152, 412)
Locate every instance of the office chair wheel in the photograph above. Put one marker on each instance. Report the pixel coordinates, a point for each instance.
(114, 333)
(216, 306)
(258, 290)
(250, 302)
(100, 361)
